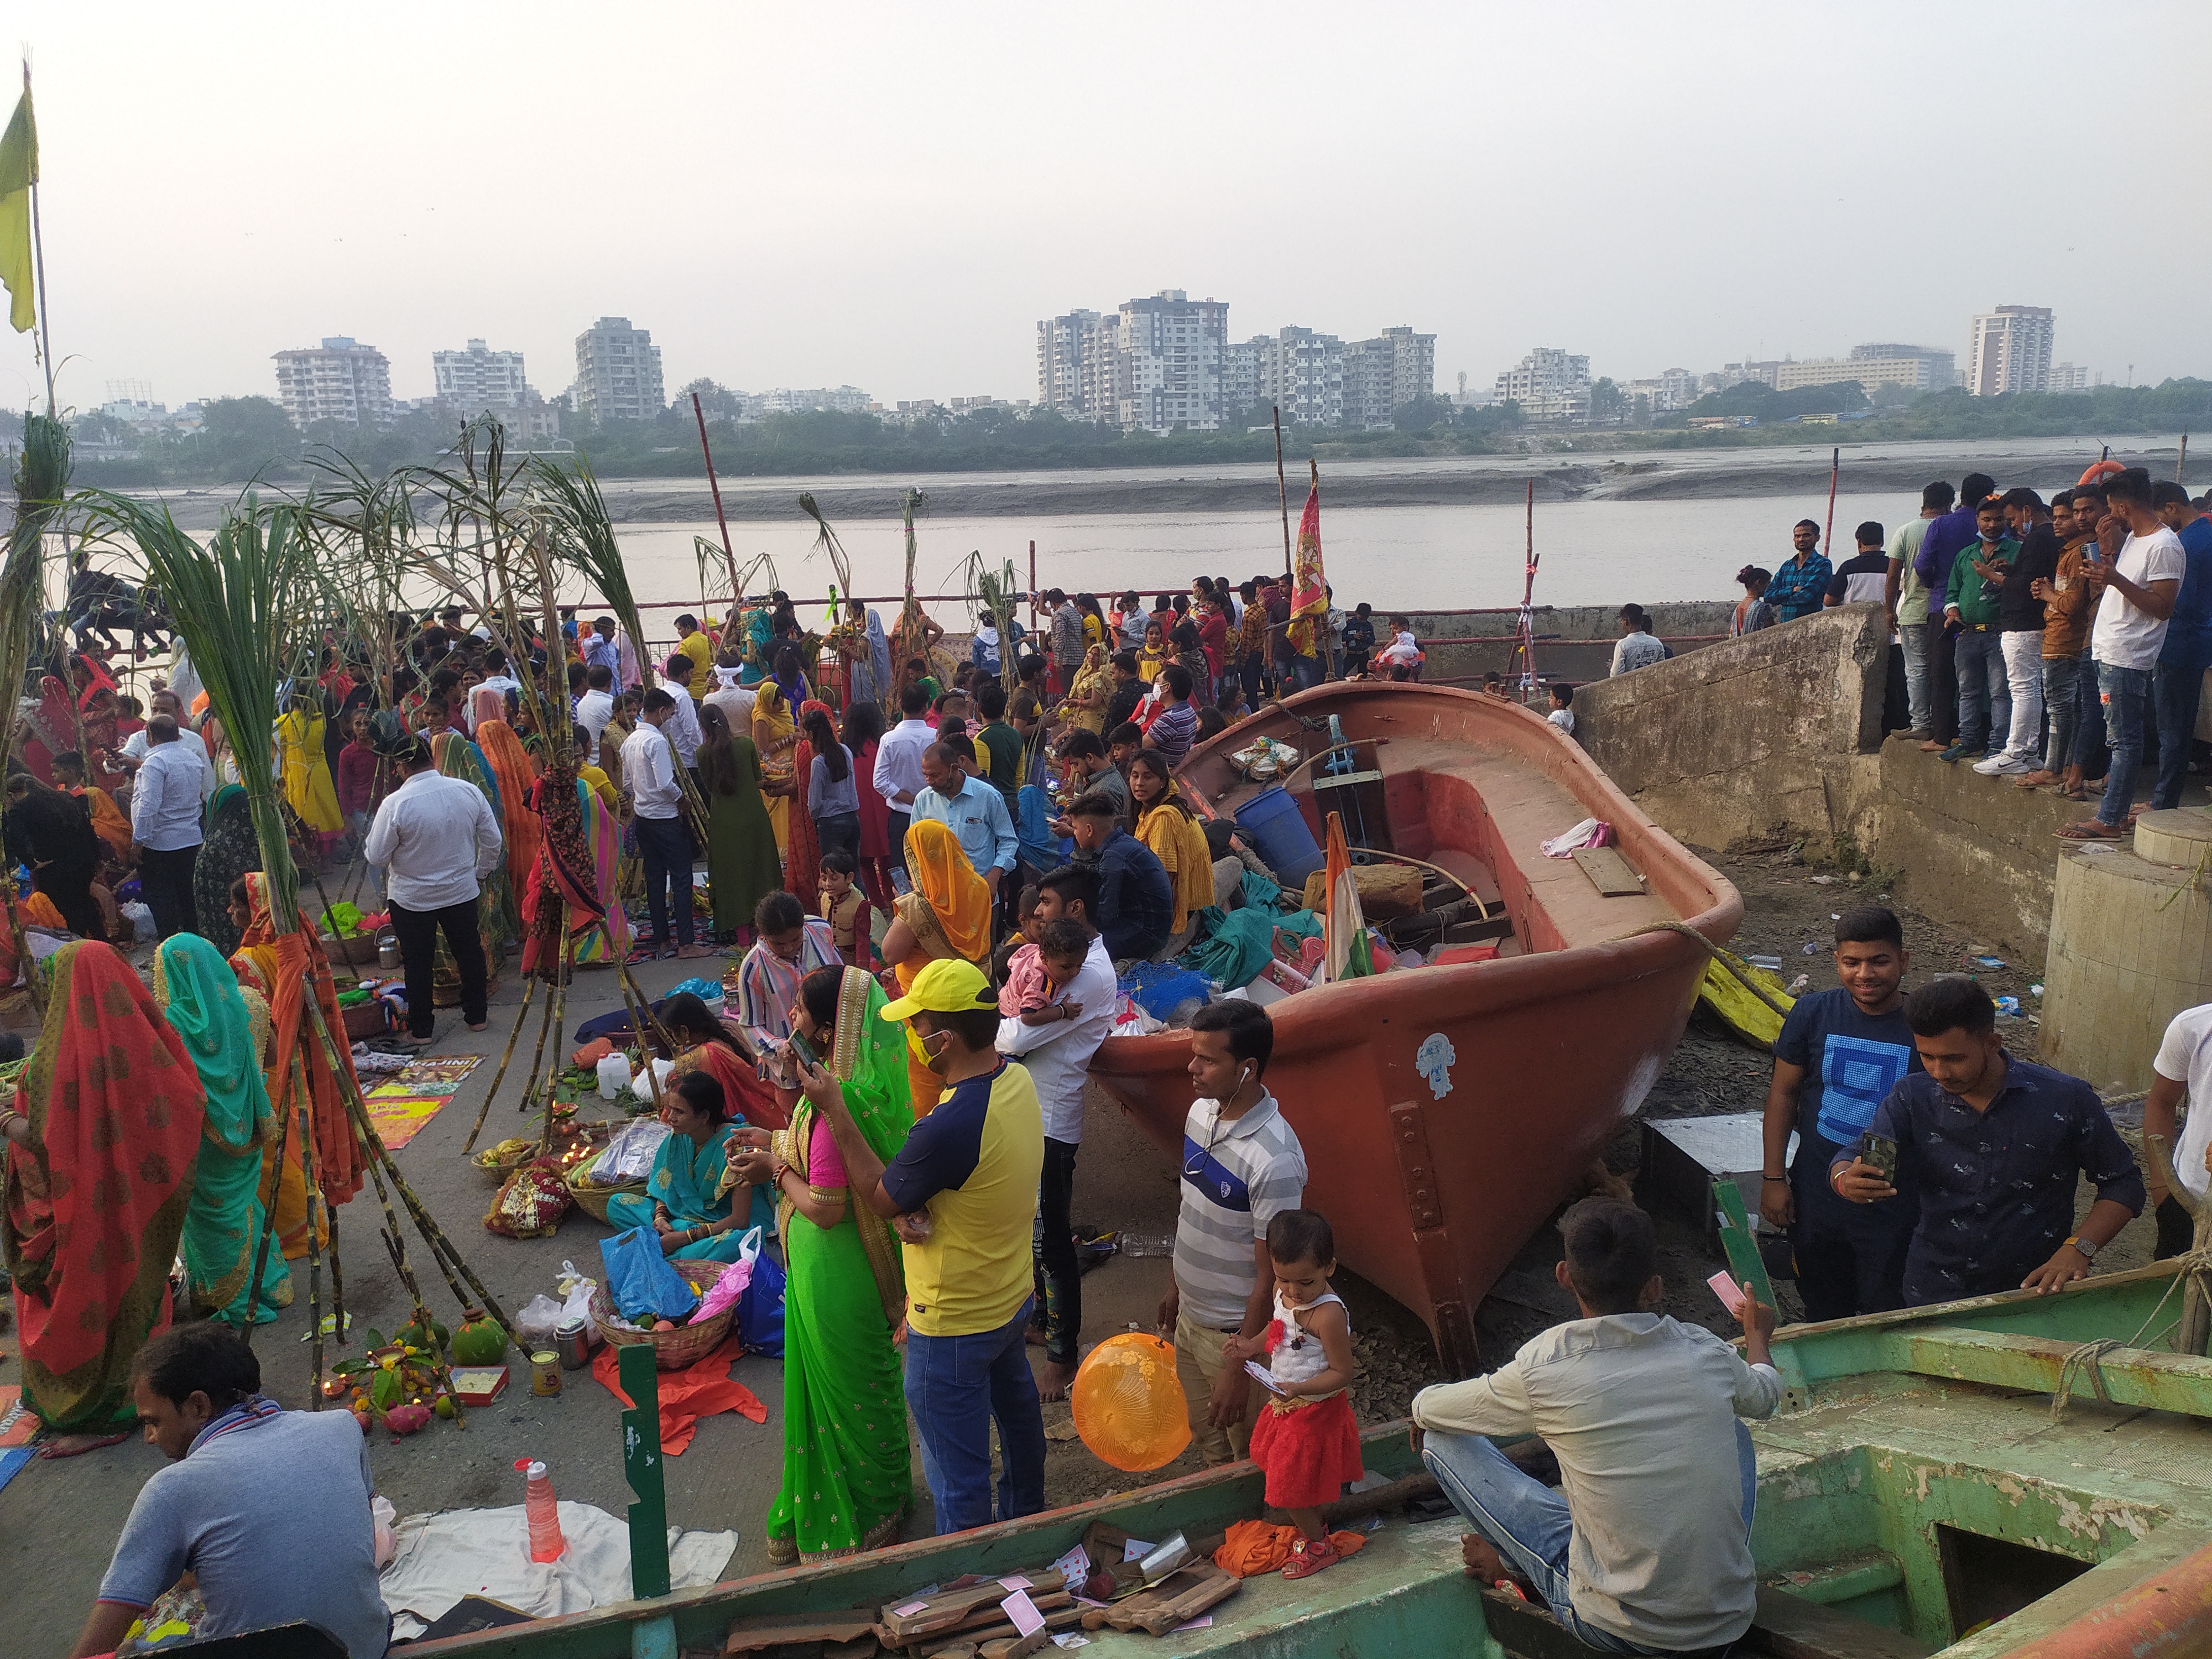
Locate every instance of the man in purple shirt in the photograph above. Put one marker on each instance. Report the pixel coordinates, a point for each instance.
(1947, 536)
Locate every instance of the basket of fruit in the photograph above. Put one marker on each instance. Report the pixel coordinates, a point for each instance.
(674, 1345)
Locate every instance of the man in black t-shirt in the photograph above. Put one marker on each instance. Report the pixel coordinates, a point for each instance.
(2020, 633)
(1863, 578)
(1130, 690)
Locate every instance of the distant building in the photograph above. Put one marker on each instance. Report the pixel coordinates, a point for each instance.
(841, 400)
(1743, 374)
(2009, 350)
(1077, 362)
(1380, 374)
(1548, 385)
(1168, 362)
(617, 372)
(1664, 394)
(340, 380)
(2072, 377)
(479, 378)
(1918, 368)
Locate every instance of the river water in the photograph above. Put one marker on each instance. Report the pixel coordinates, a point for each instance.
(1590, 552)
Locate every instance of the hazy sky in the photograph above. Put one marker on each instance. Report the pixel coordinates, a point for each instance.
(892, 195)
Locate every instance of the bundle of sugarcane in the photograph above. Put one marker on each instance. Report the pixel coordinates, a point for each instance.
(41, 477)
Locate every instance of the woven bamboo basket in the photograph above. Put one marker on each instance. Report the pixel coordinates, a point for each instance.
(685, 1346)
(591, 1199)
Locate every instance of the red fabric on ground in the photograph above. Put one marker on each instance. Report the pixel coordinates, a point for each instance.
(701, 1389)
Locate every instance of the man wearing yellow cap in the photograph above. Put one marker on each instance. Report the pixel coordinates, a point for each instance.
(963, 1193)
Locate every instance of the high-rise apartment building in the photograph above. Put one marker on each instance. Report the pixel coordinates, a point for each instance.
(1167, 363)
(1380, 375)
(341, 379)
(1548, 385)
(479, 378)
(1248, 379)
(2009, 350)
(1077, 361)
(617, 372)
(2071, 376)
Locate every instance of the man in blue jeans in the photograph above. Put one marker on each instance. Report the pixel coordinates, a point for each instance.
(2142, 563)
(1647, 1546)
(2178, 682)
(962, 1193)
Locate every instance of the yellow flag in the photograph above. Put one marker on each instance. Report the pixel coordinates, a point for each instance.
(19, 171)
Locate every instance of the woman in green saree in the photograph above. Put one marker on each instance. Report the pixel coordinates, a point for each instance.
(848, 1480)
(199, 997)
(686, 1200)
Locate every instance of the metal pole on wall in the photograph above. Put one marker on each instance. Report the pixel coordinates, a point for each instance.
(1283, 490)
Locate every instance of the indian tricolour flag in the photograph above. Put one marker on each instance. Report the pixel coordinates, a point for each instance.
(1344, 927)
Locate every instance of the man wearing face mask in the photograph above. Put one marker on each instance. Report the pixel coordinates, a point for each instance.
(1242, 1167)
(962, 1192)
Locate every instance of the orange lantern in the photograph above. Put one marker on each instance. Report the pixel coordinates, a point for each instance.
(1129, 1408)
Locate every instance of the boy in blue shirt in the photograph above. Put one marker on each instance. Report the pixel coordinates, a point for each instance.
(1839, 1053)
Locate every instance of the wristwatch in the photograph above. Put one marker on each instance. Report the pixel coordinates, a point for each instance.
(2087, 1247)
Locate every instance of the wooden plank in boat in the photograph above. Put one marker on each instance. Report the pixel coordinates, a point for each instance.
(1609, 873)
(1788, 1626)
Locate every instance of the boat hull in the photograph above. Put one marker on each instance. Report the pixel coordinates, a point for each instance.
(1433, 1176)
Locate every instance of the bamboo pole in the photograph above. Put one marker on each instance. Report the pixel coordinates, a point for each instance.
(39, 260)
(558, 1002)
(1282, 491)
(2181, 465)
(314, 1248)
(1835, 472)
(424, 1323)
(737, 583)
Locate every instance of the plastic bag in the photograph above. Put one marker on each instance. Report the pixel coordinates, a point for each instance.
(652, 1079)
(382, 1516)
(641, 1281)
(760, 1310)
(534, 1325)
(735, 1277)
(630, 1153)
(578, 1304)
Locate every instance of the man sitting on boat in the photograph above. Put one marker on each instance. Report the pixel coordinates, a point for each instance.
(1646, 1547)
(1993, 1147)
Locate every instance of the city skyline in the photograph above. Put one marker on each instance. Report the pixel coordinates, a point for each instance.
(1649, 232)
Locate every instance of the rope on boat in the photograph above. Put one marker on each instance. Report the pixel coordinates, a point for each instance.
(2089, 1356)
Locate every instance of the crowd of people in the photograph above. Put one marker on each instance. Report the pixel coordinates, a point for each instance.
(923, 886)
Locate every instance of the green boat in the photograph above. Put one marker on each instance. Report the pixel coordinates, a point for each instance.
(2019, 1474)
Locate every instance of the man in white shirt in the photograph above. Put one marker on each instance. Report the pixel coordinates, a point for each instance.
(495, 678)
(1055, 1042)
(1646, 1546)
(134, 746)
(683, 729)
(597, 706)
(1639, 647)
(2182, 1067)
(663, 844)
(735, 701)
(435, 839)
(2141, 565)
(165, 824)
(898, 772)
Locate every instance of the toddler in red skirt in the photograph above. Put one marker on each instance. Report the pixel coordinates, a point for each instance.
(1306, 1440)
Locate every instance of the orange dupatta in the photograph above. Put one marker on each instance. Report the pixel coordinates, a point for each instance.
(949, 913)
(510, 764)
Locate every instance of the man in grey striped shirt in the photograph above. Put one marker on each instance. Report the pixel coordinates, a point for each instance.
(1242, 1166)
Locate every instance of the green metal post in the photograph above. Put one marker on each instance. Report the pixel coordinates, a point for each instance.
(1740, 1241)
(648, 1517)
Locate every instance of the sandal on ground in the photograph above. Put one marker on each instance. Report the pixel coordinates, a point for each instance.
(1309, 1555)
(2089, 830)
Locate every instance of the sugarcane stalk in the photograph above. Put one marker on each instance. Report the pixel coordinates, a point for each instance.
(316, 876)
(314, 1251)
(558, 1003)
(269, 1213)
(545, 1025)
(382, 1164)
(521, 1014)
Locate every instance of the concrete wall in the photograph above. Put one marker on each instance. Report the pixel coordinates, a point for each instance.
(1573, 643)
(1972, 850)
(1775, 732)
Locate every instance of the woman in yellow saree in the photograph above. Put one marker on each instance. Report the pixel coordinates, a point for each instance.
(947, 914)
(308, 789)
(776, 734)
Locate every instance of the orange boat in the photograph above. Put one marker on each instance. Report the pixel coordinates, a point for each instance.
(1446, 1111)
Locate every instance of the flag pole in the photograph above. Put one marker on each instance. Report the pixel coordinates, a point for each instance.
(736, 584)
(38, 264)
(1283, 490)
(1835, 468)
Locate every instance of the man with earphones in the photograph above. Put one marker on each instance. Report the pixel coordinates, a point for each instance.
(1242, 1166)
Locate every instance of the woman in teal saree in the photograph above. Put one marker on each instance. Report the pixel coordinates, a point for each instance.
(848, 1481)
(199, 997)
(685, 1199)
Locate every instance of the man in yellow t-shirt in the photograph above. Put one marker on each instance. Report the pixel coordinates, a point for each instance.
(695, 646)
(963, 1195)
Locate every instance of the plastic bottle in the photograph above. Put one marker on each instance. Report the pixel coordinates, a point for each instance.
(546, 1543)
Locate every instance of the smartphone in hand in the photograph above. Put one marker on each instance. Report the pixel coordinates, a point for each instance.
(1881, 1156)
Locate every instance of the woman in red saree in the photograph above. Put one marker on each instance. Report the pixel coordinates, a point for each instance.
(101, 1143)
(517, 774)
(802, 850)
(278, 965)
